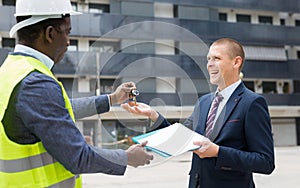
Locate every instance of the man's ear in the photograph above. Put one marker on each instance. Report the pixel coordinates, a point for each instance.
(49, 34)
(238, 62)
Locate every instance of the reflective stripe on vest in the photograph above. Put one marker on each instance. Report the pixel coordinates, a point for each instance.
(28, 165)
(19, 165)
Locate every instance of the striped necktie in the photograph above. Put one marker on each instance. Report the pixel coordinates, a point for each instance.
(212, 114)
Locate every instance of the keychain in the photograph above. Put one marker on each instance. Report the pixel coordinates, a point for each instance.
(132, 97)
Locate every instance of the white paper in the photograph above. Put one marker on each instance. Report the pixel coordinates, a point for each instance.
(174, 139)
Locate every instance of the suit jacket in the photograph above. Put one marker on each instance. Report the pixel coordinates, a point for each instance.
(243, 132)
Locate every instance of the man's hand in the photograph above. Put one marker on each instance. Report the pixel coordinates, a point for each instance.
(207, 149)
(122, 92)
(141, 109)
(137, 155)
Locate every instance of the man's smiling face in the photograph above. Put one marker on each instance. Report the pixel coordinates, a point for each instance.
(220, 65)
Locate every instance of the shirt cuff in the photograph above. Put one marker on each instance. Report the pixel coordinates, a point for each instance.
(109, 102)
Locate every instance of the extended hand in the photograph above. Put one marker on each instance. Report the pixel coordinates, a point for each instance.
(141, 109)
(137, 155)
(122, 92)
(207, 149)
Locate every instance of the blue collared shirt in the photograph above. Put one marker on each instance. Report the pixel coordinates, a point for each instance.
(36, 112)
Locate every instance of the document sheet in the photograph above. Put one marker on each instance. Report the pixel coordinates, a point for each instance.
(170, 141)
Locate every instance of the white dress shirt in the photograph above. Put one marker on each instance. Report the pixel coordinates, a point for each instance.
(226, 93)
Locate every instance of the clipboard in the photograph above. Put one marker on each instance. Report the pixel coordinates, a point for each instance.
(170, 141)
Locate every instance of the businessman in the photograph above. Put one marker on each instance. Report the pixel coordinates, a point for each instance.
(235, 121)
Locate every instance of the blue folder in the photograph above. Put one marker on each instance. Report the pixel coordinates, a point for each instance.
(161, 153)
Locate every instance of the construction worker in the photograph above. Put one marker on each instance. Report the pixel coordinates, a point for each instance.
(40, 145)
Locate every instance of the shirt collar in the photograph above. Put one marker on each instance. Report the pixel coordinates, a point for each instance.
(40, 56)
(226, 93)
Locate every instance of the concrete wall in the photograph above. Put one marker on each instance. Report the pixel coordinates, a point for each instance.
(284, 132)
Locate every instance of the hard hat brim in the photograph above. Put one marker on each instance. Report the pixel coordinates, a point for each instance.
(47, 13)
(35, 19)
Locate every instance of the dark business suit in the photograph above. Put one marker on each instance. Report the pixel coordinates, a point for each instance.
(243, 132)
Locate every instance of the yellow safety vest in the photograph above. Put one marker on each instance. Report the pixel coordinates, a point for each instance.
(28, 165)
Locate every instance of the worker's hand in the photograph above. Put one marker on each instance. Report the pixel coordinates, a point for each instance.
(207, 148)
(137, 156)
(122, 92)
(141, 109)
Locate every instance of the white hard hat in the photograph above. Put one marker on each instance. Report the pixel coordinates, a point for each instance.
(40, 10)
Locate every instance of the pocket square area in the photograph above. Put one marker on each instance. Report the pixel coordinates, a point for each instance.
(233, 120)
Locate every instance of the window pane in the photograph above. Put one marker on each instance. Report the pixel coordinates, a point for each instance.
(296, 86)
(249, 85)
(286, 88)
(175, 11)
(104, 46)
(243, 18)
(98, 8)
(222, 16)
(269, 87)
(73, 45)
(282, 22)
(8, 43)
(106, 85)
(74, 6)
(9, 2)
(265, 20)
(298, 54)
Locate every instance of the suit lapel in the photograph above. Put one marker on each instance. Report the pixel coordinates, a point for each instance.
(203, 112)
(226, 111)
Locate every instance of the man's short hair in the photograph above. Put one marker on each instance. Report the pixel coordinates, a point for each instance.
(30, 33)
(235, 48)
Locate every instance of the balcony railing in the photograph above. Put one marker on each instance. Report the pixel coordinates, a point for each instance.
(114, 64)
(101, 25)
